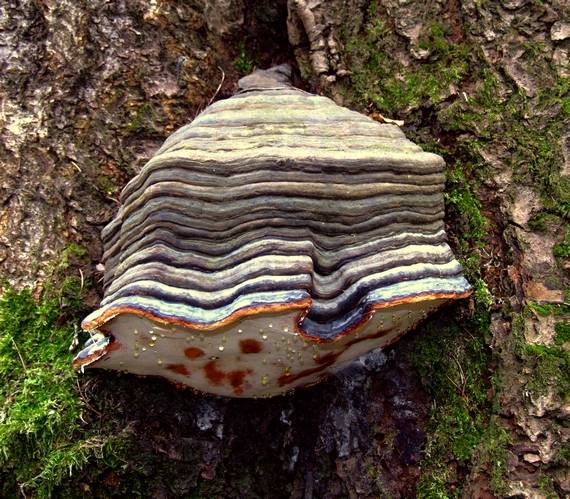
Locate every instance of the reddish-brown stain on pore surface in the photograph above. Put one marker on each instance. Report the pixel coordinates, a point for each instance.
(193, 352)
(178, 369)
(237, 379)
(378, 334)
(214, 375)
(329, 358)
(113, 346)
(250, 346)
(324, 362)
(287, 379)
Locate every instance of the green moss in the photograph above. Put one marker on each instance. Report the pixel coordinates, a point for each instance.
(463, 204)
(562, 248)
(546, 485)
(477, 113)
(566, 106)
(514, 123)
(379, 79)
(38, 398)
(517, 334)
(42, 437)
(540, 222)
(556, 94)
(453, 366)
(528, 130)
(562, 457)
(107, 185)
(244, 62)
(550, 364)
(536, 159)
(453, 359)
(545, 309)
(434, 486)
(551, 369)
(142, 120)
(562, 332)
(533, 49)
(454, 369)
(492, 453)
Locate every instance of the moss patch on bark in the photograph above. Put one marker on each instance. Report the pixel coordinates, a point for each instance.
(44, 438)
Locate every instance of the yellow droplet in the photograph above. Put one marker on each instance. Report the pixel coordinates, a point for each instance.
(143, 349)
(265, 380)
(154, 337)
(136, 355)
(221, 348)
(264, 336)
(159, 362)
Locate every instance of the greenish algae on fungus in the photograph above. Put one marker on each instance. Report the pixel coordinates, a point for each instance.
(274, 238)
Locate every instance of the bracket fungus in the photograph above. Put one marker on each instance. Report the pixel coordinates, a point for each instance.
(272, 239)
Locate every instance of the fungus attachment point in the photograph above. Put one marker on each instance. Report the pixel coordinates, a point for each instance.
(272, 239)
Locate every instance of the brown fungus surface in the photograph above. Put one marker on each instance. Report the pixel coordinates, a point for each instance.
(274, 238)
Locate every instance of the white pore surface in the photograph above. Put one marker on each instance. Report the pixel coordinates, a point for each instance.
(258, 356)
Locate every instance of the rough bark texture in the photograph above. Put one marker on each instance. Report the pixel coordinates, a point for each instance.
(89, 90)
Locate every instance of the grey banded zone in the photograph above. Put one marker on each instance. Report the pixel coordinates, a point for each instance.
(276, 196)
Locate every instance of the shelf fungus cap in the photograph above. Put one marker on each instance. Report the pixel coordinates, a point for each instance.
(274, 238)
